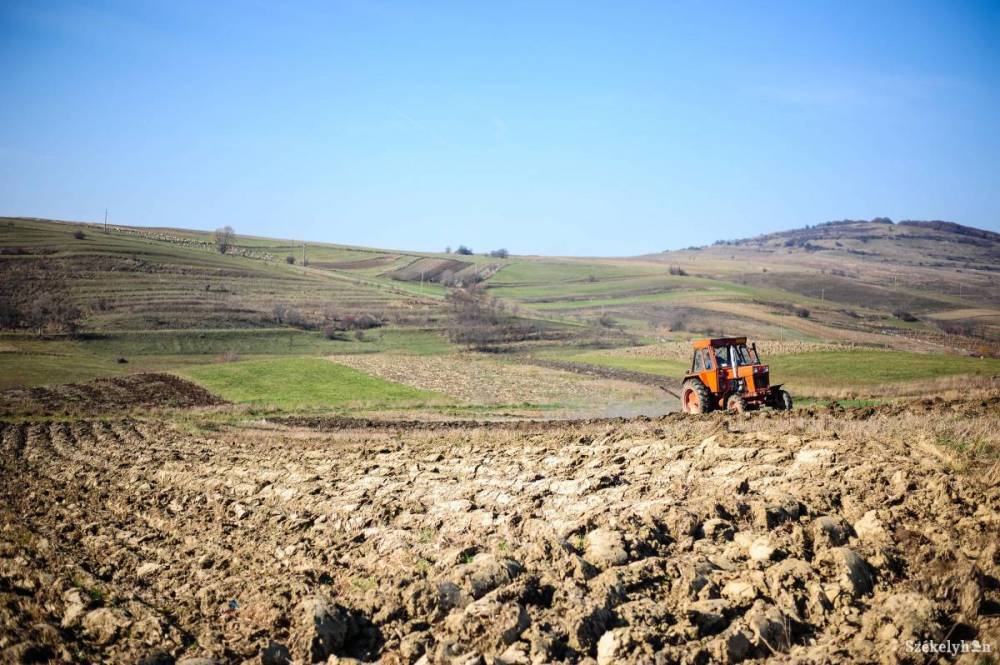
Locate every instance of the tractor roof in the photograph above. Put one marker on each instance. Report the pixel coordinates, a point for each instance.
(717, 342)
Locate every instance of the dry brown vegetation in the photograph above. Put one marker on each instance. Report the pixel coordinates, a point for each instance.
(482, 379)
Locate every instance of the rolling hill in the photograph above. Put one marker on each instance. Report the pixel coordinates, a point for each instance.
(166, 299)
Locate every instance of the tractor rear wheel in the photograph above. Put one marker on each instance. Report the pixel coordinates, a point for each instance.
(695, 397)
(783, 401)
(736, 404)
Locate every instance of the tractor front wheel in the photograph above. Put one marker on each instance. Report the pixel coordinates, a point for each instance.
(695, 398)
(736, 404)
(783, 401)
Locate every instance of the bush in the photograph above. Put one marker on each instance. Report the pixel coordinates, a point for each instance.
(295, 318)
(224, 238)
(337, 323)
(290, 260)
(677, 321)
(463, 250)
(79, 234)
(903, 315)
(675, 270)
(802, 312)
(483, 323)
(606, 321)
(499, 253)
(53, 313)
(289, 316)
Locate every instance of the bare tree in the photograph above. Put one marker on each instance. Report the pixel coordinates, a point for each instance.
(224, 238)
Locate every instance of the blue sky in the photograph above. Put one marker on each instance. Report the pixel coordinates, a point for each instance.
(577, 128)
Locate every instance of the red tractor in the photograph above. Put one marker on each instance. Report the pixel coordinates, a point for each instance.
(726, 374)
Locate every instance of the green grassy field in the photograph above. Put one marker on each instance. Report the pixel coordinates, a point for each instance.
(27, 362)
(166, 300)
(663, 367)
(305, 383)
(827, 369)
(871, 368)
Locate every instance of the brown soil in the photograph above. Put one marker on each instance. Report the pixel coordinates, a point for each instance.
(480, 378)
(604, 372)
(820, 536)
(359, 264)
(427, 270)
(107, 395)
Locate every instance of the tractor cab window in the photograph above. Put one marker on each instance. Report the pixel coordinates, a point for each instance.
(743, 356)
(696, 364)
(722, 355)
(708, 358)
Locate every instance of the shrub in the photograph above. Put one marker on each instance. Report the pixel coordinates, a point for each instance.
(295, 318)
(606, 321)
(290, 260)
(677, 321)
(802, 312)
(289, 315)
(337, 323)
(224, 238)
(79, 234)
(53, 313)
(463, 250)
(499, 253)
(903, 315)
(483, 323)
(676, 270)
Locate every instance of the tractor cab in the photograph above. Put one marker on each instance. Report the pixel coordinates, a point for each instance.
(727, 374)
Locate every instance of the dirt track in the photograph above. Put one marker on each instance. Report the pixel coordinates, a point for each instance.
(684, 539)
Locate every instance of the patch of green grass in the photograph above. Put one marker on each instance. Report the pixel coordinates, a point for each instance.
(830, 369)
(666, 296)
(664, 367)
(873, 367)
(27, 361)
(304, 383)
(542, 271)
(37, 369)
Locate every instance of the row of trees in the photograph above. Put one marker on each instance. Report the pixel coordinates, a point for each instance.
(501, 253)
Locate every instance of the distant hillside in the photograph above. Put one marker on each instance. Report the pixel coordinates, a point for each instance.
(911, 286)
(930, 278)
(833, 235)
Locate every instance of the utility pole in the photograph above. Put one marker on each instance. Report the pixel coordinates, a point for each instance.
(105, 220)
(303, 253)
